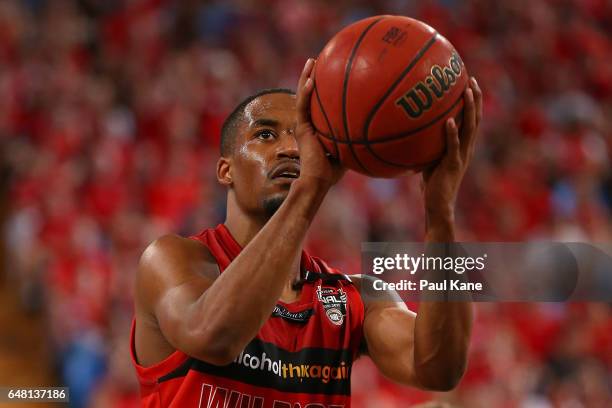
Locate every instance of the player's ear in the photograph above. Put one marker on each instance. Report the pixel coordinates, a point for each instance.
(224, 173)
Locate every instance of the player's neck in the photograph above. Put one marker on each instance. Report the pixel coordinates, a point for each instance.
(241, 225)
(243, 232)
(243, 229)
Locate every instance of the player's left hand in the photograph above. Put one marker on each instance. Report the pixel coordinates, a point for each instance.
(316, 165)
(441, 183)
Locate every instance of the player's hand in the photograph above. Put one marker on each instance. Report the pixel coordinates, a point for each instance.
(315, 164)
(441, 183)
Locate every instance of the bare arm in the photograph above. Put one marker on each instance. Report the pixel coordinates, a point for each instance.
(429, 350)
(213, 318)
(388, 330)
(210, 316)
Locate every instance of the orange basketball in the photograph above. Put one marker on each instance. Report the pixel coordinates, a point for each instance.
(384, 87)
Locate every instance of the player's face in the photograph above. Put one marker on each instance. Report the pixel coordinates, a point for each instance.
(266, 158)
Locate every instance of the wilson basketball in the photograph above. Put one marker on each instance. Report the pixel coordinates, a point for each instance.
(384, 88)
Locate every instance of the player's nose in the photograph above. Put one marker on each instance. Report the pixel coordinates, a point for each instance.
(288, 146)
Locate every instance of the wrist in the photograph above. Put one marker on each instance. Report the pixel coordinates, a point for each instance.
(310, 193)
(440, 214)
(440, 226)
(440, 209)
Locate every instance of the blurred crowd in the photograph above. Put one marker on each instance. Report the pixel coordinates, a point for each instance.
(110, 114)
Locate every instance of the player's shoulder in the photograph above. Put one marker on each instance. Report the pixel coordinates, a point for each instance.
(167, 263)
(172, 253)
(176, 245)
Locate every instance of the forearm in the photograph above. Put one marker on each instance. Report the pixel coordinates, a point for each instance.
(443, 324)
(442, 327)
(235, 307)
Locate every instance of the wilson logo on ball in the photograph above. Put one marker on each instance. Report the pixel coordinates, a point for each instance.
(358, 78)
(420, 97)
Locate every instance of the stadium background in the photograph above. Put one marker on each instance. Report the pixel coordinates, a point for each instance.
(109, 124)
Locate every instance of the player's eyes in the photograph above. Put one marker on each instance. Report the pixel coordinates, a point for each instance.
(265, 134)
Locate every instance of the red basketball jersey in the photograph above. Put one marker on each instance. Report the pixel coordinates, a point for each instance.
(301, 357)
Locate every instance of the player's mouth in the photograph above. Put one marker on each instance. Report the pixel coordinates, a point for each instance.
(286, 171)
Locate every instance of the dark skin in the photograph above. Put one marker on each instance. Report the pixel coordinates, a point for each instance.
(182, 302)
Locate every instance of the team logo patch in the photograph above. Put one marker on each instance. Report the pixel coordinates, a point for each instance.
(335, 316)
(334, 303)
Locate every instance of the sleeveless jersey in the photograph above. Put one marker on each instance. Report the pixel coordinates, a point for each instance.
(301, 357)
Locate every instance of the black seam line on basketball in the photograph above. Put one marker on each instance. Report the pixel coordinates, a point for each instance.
(347, 72)
(401, 135)
(331, 131)
(436, 119)
(405, 167)
(415, 59)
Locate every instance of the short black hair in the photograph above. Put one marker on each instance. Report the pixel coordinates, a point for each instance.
(228, 130)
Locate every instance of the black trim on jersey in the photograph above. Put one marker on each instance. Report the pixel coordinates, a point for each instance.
(280, 369)
(311, 276)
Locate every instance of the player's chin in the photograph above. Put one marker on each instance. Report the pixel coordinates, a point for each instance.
(278, 188)
(273, 202)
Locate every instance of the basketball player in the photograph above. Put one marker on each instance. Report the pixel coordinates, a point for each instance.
(219, 318)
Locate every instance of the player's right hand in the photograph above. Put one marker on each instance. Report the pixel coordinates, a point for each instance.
(316, 165)
(441, 182)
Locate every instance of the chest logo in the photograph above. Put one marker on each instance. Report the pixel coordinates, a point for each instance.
(334, 303)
